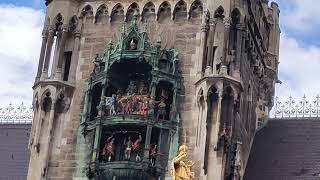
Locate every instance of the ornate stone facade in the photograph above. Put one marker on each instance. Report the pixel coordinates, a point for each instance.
(121, 84)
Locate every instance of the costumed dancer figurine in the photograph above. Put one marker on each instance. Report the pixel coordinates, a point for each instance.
(110, 104)
(128, 148)
(161, 109)
(108, 149)
(136, 147)
(152, 154)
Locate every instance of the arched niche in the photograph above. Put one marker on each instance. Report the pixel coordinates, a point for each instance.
(60, 105)
(219, 12)
(87, 14)
(148, 12)
(58, 22)
(180, 11)
(47, 102)
(164, 12)
(211, 120)
(227, 108)
(117, 13)
(196, 10)
(235, 19)
(102, 15)
(73, 23)
(133, 8)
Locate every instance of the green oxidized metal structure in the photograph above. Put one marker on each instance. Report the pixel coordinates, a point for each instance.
(132, 108)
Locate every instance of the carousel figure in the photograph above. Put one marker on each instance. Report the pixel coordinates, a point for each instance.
(144, 105)
(161, 109)
(136, 147)
(108, 150)
(110, 104)
(128, 148)
(152, 154)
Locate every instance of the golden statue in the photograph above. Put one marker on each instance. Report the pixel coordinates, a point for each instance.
(179, 169)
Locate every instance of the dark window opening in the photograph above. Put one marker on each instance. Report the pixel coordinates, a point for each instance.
(67, 57)
(164, 92)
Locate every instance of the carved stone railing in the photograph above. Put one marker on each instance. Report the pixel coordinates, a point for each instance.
(16, 115)
(291, 108)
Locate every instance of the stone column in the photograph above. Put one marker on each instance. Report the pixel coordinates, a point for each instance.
(227, 22)
(147, 144)
(47, 148)
(203, 47)
(239, 51)
(62, 44)
(75, 56)
(210, 56)
(48, 52)
(96, 146)
(42, 53)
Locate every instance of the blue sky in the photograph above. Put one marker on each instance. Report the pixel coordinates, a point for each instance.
(21, 21)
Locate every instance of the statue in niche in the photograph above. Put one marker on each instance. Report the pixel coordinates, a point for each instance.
(161, 109)
(110, 104)
(153, 153)
(142, 90)
(131, 89)
(136, 147)
(179, 169)
(108, 150)
(132, 45)
(96, 62)
(128, 148)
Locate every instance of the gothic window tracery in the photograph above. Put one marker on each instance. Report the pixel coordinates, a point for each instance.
(164, 12)
(148, 12)
(180, 11)
(117, 13)
(87, 13)
(196, 10)
(133, 8)
(102, 14)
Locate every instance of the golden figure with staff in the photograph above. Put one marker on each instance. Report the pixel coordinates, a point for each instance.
(179, 169)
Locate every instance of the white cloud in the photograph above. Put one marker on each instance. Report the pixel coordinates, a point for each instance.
(299, 69)
(20, 41)
(300, 15)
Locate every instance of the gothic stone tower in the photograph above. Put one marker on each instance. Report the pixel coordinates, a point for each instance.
(121, 84)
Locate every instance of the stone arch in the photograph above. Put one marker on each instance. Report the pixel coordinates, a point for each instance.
(117, 13)
(60, 104)
(211, 120)
(87, 12)
(73, 23)
(219, 12)
(46, 101)
(196, 10)
(148, 12)
(134, 7)
(58, 22)
(180, 11)
(164, 12)
(102, 14)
